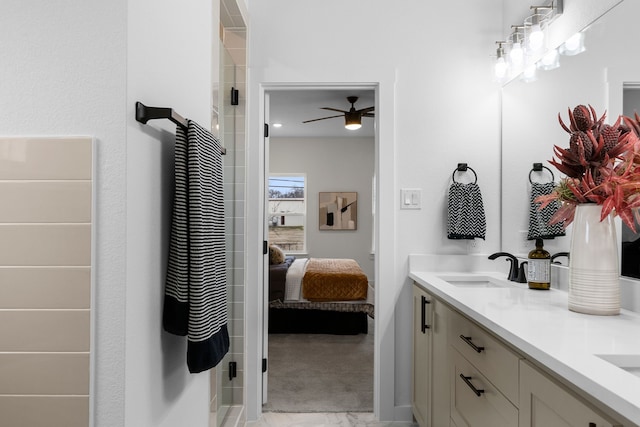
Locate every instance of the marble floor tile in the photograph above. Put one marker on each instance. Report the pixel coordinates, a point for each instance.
(321, 419)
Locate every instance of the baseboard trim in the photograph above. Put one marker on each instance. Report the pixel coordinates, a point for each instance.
(403, 413)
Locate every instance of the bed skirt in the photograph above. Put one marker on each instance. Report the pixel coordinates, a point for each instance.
(312, 321)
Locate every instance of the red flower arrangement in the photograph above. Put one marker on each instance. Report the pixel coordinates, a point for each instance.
(602, 166)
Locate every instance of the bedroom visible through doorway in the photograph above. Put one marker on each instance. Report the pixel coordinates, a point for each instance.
(310, 371)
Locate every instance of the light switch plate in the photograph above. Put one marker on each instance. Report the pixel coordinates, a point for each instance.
(410, 198)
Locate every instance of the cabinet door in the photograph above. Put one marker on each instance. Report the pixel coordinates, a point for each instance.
(421, 395)
(544, 403)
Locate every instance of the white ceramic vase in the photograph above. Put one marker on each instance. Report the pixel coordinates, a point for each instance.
(594, 270)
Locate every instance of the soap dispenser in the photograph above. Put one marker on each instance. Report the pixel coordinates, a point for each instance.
(539, 267)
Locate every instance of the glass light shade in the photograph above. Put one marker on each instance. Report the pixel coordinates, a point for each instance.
(516, 55)
(574, 45)
(353, 126)
(549, 60)
(534, 33)
(500, 68)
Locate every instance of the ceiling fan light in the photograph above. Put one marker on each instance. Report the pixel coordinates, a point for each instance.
(353, 121)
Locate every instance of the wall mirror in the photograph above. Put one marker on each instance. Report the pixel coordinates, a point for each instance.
(530, 114)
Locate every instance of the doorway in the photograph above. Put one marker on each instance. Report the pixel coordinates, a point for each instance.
(329, 158)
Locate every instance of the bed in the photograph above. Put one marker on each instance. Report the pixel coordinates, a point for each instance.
(319, 295)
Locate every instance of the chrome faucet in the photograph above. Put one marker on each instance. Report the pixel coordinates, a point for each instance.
(559, 254)
(513, 270)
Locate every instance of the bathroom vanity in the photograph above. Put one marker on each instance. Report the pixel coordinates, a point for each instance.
(491, 352)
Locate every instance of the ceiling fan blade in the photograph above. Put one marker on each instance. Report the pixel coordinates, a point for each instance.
(368, 115)
(323, 118)
(333, 109)
(366, 110)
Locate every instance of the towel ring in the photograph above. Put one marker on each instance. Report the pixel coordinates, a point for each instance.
(462, 167)
(537, 167)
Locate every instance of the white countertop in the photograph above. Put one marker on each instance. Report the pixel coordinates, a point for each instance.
(541, 327)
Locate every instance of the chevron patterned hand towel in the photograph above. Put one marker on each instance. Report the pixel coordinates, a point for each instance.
(465, 214)
(195, 302)
(539, 227)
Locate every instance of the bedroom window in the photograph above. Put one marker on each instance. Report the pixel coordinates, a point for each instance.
(287, 212)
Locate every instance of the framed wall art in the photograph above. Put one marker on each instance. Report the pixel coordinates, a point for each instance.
(338, 210)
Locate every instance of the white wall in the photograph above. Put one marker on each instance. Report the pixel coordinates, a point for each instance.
(446, 111)
(64, 73)
(332, 164)
(172, 61)
(76, 68)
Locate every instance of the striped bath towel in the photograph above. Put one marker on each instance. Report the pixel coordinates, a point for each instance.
(195, 288)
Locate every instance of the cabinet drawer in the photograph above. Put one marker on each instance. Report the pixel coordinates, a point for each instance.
(476, 402)
(487, 354)
(546, 403)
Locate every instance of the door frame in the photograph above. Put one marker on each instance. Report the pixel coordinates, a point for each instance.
(386, 277)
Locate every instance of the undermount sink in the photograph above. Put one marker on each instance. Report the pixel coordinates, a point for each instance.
(627, 362)
(474, 281)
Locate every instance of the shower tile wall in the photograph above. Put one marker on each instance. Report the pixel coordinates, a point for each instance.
(234, 128)
(45, 281)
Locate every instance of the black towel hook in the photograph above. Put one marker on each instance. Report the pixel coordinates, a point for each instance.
(537, 167)
(463, 167)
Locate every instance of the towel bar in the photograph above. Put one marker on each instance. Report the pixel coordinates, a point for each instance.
(145, 113)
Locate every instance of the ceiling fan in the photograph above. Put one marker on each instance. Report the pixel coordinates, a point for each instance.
(352, 118)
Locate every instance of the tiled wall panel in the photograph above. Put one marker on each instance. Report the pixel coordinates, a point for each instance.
(44, 330)
(45, 244)
(45, 411)
(44, 373)
(45, 287)
(45, 281)
(45, 201)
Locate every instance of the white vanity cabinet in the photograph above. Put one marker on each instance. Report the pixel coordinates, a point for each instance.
(543, 403)
(464, 375)
(430, 394)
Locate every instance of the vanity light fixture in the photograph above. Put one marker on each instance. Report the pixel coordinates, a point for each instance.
(574, 45)
(528, 44)
(352, 121)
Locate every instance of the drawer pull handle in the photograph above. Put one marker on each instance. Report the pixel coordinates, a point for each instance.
(471, 386)
(473, 346)
(423, 314)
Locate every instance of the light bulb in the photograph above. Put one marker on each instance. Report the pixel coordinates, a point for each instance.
(500, 68)
(516, 55)
(550, 60)
(536, 38)
(353, 126)
(574, 45)
(573, 42)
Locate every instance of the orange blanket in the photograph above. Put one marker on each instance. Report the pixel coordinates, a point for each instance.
(329, 279)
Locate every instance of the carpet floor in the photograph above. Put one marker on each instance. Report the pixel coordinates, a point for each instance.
(320, 373)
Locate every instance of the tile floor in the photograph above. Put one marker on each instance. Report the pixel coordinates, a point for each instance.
(319, 419)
